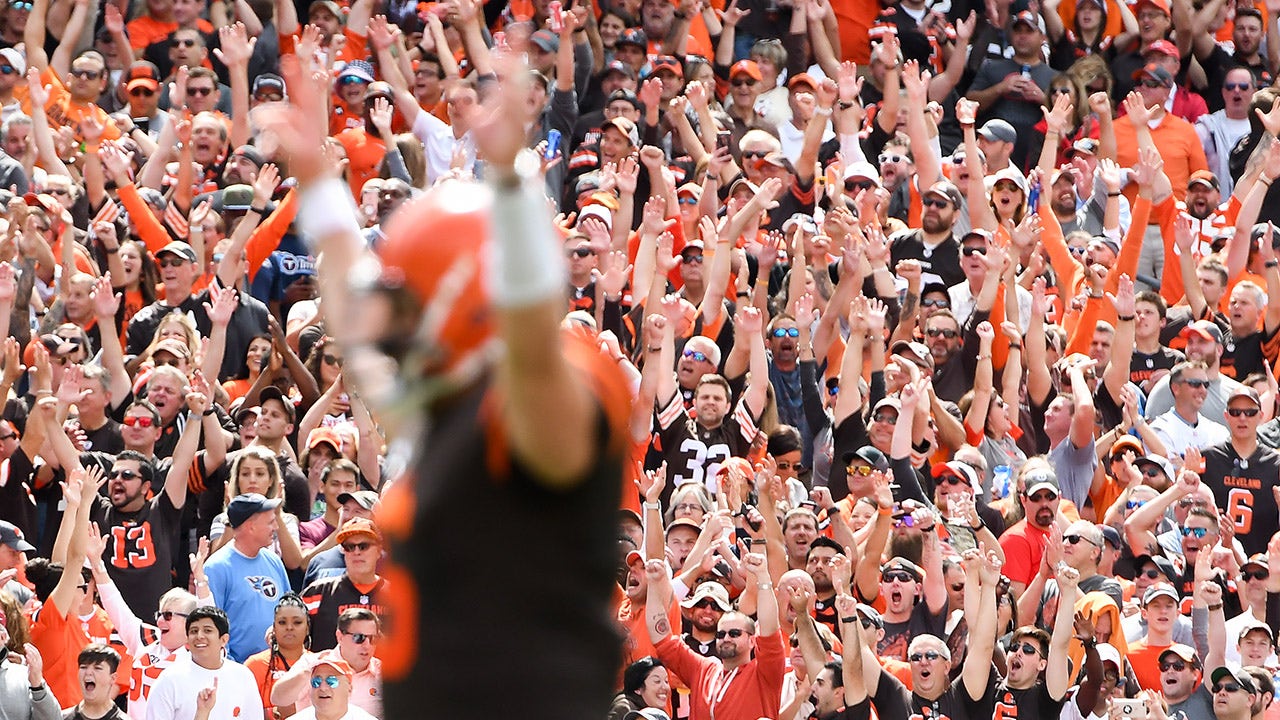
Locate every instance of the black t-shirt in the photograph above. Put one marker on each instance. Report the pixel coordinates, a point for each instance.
(1142, 366)
(140, 548)
(898, 635)
(1242, 489)
(17, 502)
(941, 263)
(893, 700)
(105, 439)
(1033, 702)
(1244, 356)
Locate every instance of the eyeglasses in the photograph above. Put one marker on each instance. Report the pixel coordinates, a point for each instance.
(786, 332)
(971, 250)
(1247, 412)
(886, 418)
(686, 506)
(1195, 383)
(141, 92)
(268, 97)
(892, 158)
(361, 638)
(356, 547)
(124, 474)
(1197, 532)
(690, 259)
(332, 360)
(934, 202)
(1175, 665)
(143, 421)
(1026, 648)
(169, 262)
(580, 252)
(1254, 574)
(732, 632)
(696, 355)
(1076, 540)
(330, 680)
(200, 91)
(1134, 504)
(1237, 86)
(936, 302)
(1042, 497)
(744, 83)
(897, 575)
(863, 470)
(929, 655)
(86, 74)
(946, 333)
(168, 615)
(1228, 687)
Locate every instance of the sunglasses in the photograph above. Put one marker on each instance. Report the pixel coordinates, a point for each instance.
(690, 259)
(1237, 86)
(1247, 412)
(124, 474)
(887, 418)
(709, 604)
(21, 6)
(330, 680)
(1152, 573)
(1228, 687)
(1078, 250)
(351, 80)
(733, 633)
(971, 250)
(754, 153)
(1077, 539)
(927, 655)
(1197, 384)
(171, 262)
(947, 333)
(141, 92)
(1041, 497)
(1134, 504)
(186, 42)
(859, 185)
(1176, 665)
(1255, 574)
(696, 355)
(361, 638)
(356, 546)
(936, 302)
(744, 83)
(200, 91)
(863, 470)
(1149, 83)
(786, 332)
(8, 70)
(1198, 533)
(168, 615)
(87, 74)
(268, 97)
(332, 360)
(580, 252)
(1026, 648)
(898, 575)
(934, 202)
(891, 158)
(688, 201)
(784, 465)
(902, 521)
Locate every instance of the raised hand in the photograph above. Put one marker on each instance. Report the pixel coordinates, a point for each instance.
(652, 483)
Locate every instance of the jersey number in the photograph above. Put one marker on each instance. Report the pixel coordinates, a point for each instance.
(703, 463)
(1240, 509)
(140, 537)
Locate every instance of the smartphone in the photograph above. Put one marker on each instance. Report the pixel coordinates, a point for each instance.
(1127, 708)
(723, 138)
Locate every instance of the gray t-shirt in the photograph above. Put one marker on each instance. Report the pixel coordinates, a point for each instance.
(1074, 468)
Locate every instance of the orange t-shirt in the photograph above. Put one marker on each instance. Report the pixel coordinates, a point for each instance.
(1145, 660)
(63, 111)
(145, 30)
(60, 638)
(855, 21)
(260, 665)
(364, 154)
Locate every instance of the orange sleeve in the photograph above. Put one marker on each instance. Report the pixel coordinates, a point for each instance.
(266, 237)
(1082, 334)
(999, 346)
(1131, 248)
(1059, 256)
(149, 227)
(1171, 275)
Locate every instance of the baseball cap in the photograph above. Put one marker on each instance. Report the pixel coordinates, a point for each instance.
(334, 661)
(1246, 392)
(1010, 174)
(237, 197)
(1161, 5)
(271, 392)
(1112, 536)
(268, 81)
(243, 507)
(917, 353)
(634, 36)
(624, 126)
(998, 130)
(647, 714)
(627, 95)
(1085, 145)
(10, 535)
(173, 347)
(252, 154)
(546, 40)
(1259, 559)
(947, 190)
(746, 67)
(1108, 653)
(1160, 590)
(1038, 480)
(870, 455)
(802, 79)
(889, 402)
(1026, 17)
(329, 5)
(366, 499)
(1162, 563)
(1126, 441)
(955, 468)
(1242, 678)
(871, 614)
(901, 563)
(323, 435)
(143, 74)
(1186, 652)
(1203, 176)
(668, 63)
(805, 222)
(1255, 625)
(619, 67)
(1205, 329)
(713, 590)
(14, 58)
(742, 181)
(181, 249)
(862, 169)
(980, 234)
(1163, 47)
(1155, 72)
(1161, 462)
(355, 527)
(356, 68)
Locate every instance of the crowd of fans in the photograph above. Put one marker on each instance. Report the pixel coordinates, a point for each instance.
(825, 358)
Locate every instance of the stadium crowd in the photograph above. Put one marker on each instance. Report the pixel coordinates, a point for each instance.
(778, 359)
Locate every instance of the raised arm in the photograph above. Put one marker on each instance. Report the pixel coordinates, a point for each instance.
(982, 632)
(235, 49)
(60, 63)
(928, 165)
(1057, 673)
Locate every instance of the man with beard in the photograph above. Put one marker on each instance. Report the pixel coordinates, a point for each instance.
(1220, 131)
(1241, 473)
(799, 531)
(1024, 543)
(933, 244)
(1202, 216)
(1248, 28)
(744, 680)
(819, 564)
(703, 610)
(954, 345)
(1204, 344)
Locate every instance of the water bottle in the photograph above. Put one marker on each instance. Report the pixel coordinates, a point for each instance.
(1000, 482)
(1026, 71)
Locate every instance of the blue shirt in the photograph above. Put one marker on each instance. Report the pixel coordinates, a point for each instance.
(247, 589)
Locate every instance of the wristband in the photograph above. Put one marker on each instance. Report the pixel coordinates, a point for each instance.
(824, 112)
(260, 211)
(527, 265)
(885, 511)
(1215, 607)
(979, 527)
(112, 251)
(1015, 346)
(1114, 194)
(651, 506)
(654, 349)
(326, 208)
(1266, 180)
(38, 688)
(1271, 263)
(1126, 318)
(744, 294)
(849, 620)
(208, 412)
(769, 586)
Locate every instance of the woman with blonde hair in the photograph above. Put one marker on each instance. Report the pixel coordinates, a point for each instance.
(255, 469)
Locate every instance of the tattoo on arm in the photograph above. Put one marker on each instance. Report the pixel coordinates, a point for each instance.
(663, 626)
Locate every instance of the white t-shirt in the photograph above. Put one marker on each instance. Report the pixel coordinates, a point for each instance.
(173, 697)
(353, 713)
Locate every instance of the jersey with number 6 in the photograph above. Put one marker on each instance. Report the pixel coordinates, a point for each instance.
(695, 453)
(1242, 489)
(139, 553)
